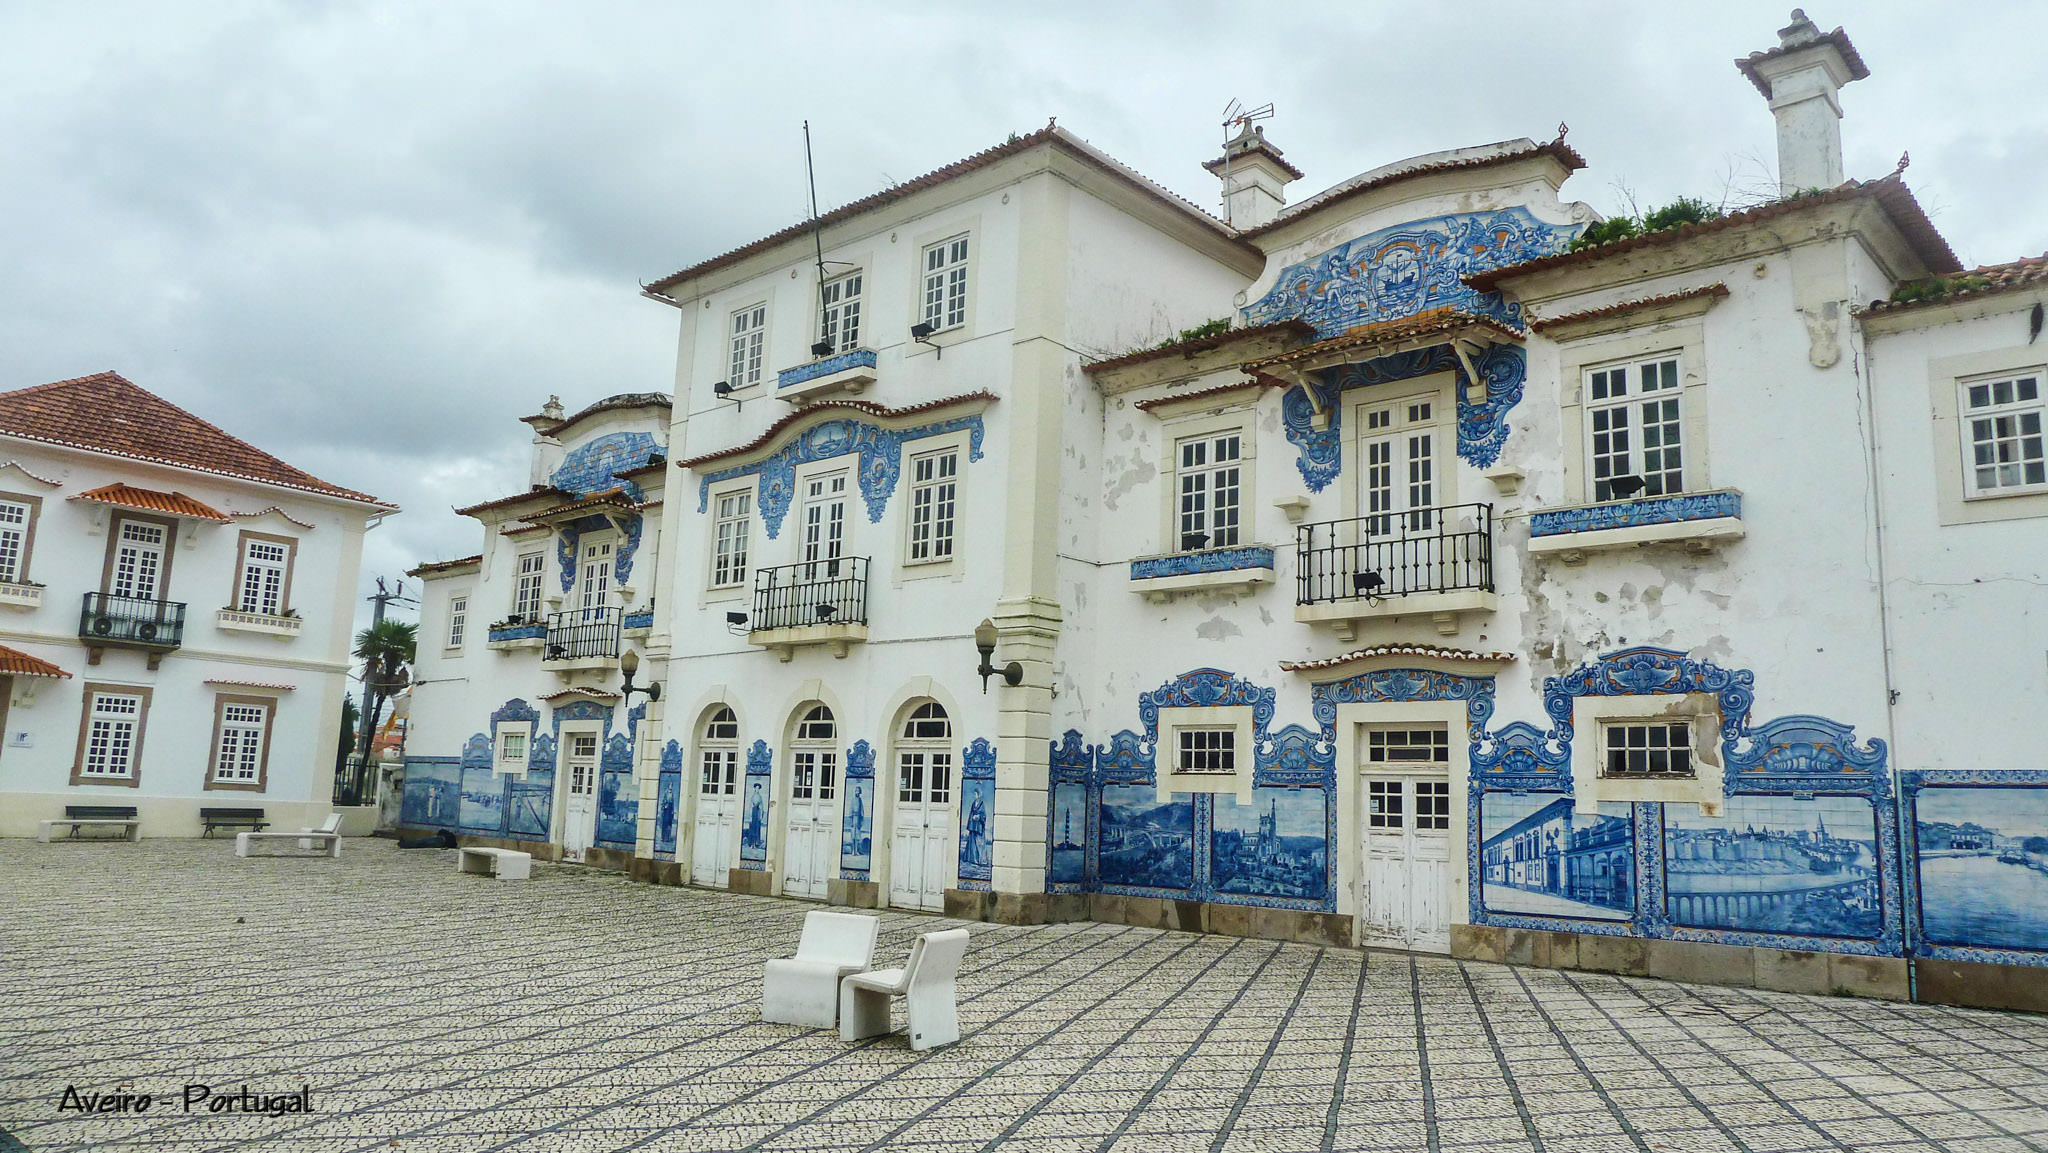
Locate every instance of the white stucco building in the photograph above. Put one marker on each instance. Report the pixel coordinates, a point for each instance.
(175, 612)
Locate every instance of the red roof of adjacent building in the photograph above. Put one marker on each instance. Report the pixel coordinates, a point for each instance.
(14, 662)
(108, 414)
(1981, 281)
(175, 503)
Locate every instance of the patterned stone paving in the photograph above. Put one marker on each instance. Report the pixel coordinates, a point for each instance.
(429, 1011)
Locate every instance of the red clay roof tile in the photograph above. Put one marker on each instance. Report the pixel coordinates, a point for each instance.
(175, 503)
(2022, 273)
(14, 662)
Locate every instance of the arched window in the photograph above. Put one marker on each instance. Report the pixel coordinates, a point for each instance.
(720, 754)
(815, 765)
(924, 757)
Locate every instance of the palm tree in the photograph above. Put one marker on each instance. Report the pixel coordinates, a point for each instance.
(385, 648)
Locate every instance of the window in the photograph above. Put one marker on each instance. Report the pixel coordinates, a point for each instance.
(1209, 474)
(934, 487)
(110, 735)
(814, 769)
(839, 324)
(719, 760)
(924, 765)
(1662, 750)
(266, 568)
(2002, 440)
(1432, 804)
(945, 284)
(1383, 804)
(729, 550)
(1398, 448)
(1634, 429)
(458, 620)
(17, 529)
(513, 741)
(243, 730)
(749, 327)
(526, 590)
(1206, 751)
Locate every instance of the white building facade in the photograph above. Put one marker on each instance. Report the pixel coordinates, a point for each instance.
(175, 613)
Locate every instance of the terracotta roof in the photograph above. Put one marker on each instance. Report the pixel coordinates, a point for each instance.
(16, 663)
(595, 694)
(1202, 344)
(1541, 323)
(863, 406)
(2025, 272)
(1422, 324)
(544, 492)
(106, 413)
(1213, 390)
(1436, 652)
(1396, 173)
(1840, 39)
(1049, 135)
(609, 498)
(428, 568)
(609, 403)
(523, 529)
(1891, 193)
(175, 503)
(254, 685)
(15, 464)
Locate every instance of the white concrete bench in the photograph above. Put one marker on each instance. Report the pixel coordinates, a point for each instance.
(120, 818)
(804, 989)
(925, 982)
(331, 825)
(504, 864)
(328, 844)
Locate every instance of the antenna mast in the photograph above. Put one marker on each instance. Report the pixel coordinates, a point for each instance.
(1234, 116)
(817, 231)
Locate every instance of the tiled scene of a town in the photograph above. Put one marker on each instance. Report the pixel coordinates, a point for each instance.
(670, 576)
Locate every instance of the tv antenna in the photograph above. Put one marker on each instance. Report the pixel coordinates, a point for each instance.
(818, 242)
(1235, 116)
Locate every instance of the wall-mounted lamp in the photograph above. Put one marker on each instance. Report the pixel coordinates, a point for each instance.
(723, 390)
(1625, 486)
(629, 663)
(921, 333)
(985, 641)
(736, 624)
(1193, 541)
(822, 349)
(825, 611)
(1367, 585)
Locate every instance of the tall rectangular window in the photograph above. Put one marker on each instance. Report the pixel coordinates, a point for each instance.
(458, 620)
(735, 516)
(749, 329)
(526, 591)
(934, 491)
(1210, 475)
(264, 564)
(1635, 429)
(839, 324)
(945, 283)
(2002, 439)
(113, 735)
(14, 522)
(238, 754)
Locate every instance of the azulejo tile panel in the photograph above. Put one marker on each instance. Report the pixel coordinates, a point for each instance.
(1976, 871)
(1211, 560)
(754, 808)
(1654, 510)
(977, 814)
(880, 452)
(593, 466)
(1482, 424)
(853, 358)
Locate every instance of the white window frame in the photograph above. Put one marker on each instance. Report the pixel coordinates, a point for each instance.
(17, 534)
(934, 505)
(514, 750)
(1591, 717)
(1209, 471)
(1680, 336)
(2018, 409)
(249, 753)
(132, 717)
(922, 757)
(746, 332)
(742, 521)
(1634, 400)
(1237, 719)
(457, 630)
(725, 748)
(529, 576)
(840, 312)
(270, 597)
(945, 278)
(1653, 748)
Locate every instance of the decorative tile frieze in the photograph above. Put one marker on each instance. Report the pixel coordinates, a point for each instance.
(881, 463)
(831, 365)
(1637, 513)
(1207, 561)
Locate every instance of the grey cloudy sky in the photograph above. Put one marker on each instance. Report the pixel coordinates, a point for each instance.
(367, 236)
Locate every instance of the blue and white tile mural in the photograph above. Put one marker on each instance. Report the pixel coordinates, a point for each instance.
(754, 823)
(1539, 856)
(483, 799)
(1068, 862)
(857, 832)
(1983, 865)
(977, 814)
(1273, 847)
(529, 805)
(433, 793)
(1144, 842)
(1775, 864)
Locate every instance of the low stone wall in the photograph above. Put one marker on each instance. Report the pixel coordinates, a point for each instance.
(1789, 970)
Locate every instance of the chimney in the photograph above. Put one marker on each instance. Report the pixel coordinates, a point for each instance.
(545, 458)
(1255, 178)
(1800, 77)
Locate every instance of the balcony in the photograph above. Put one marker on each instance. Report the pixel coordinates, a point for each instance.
(812, 603)
(848, 372)
(516, 633)
(1435, 562)
(108, 621)
(20, 596)
(266, 624)
(1698, 521)
(582, 639)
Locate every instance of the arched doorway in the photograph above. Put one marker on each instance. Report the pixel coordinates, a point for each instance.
(921, 855)
(718, 777)
(810, 844)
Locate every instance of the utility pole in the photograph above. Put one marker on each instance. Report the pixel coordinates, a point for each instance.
(379, 600)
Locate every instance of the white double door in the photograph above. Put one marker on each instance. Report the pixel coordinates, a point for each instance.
(579, 801)
(1405, 826)
(922, 851)
(139, 561)
(718, 810)
(810, 843)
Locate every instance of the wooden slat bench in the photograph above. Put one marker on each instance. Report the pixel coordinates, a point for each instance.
(504, 864)
(251, 819)
(120, 818)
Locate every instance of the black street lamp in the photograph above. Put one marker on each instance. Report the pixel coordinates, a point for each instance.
(629, 663)
(985, 640)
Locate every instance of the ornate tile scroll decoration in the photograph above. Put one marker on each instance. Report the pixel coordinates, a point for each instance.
(1128, 759)
(754, 808)
(517, 632)
(593, 466)
(1404, 685)
(1975, 863)
(977, 814)
(1295, 757)
(476, 752)
(1804, 754)
(1075, 800)
(881, 463)
(1515, 756)
(1409, 268)
(860, 760)
(542, 753)
(1483, 426)
(852, 358)
(629, 544)
(1212, 560)
(566, 541)
(1648, 671)
(668, 801)
(1636, 513)
(514, 710)
(1205, 687)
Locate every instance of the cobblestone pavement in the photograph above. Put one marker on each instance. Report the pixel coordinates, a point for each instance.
(427, 1010)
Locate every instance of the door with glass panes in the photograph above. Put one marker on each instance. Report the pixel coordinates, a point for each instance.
(1405, 827)
(810, 842)
(579, 808)
(718, 782)
(1398, 498)
(138, 562)
(922, 852)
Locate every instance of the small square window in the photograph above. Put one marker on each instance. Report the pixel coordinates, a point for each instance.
(1660, 751)
(1206, 751)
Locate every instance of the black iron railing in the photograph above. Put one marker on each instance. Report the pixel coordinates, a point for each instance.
(109, 619)
(1395, 554)
(824, 592)
(582, 634)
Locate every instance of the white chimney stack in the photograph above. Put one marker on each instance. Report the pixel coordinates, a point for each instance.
(1801, 77)
(1255, 178)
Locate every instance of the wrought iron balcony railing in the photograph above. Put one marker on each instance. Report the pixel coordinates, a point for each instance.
(824, 592)
(583, 634)
(1395, 554)
(116, 620)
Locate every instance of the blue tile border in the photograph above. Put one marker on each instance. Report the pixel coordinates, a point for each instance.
(803, 373)
(1206, 561)
(1913, 784)
(1672, 509)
